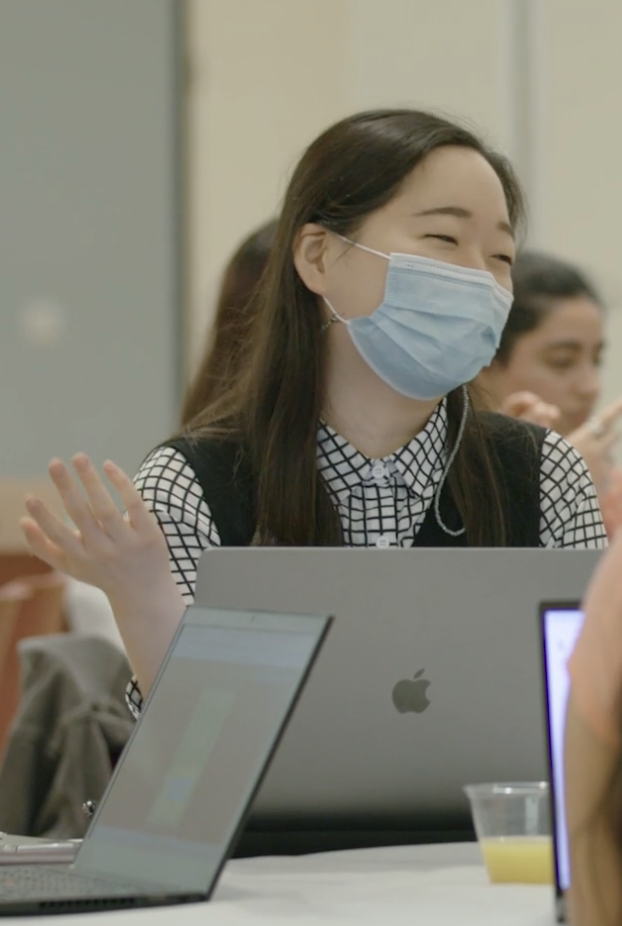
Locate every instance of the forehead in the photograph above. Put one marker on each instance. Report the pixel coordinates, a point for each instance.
(576, 319)
(453, 176)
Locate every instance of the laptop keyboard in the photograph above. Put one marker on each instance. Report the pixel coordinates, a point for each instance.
(36, 882)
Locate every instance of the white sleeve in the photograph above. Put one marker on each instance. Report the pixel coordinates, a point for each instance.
(570, 513)
(171, 490)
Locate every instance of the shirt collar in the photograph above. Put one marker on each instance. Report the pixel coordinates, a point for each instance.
(419, 462)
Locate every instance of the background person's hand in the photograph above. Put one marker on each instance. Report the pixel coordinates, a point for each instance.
(611, 504)
(529, 407)
(595, 441)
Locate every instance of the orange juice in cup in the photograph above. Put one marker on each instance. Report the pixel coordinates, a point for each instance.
(519, 859)
(513, 827)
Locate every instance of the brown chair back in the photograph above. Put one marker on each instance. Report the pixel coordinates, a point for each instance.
(31, 606)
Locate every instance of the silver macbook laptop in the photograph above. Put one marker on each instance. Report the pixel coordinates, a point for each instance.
(181, 790)
(431, 677)
(561, 624)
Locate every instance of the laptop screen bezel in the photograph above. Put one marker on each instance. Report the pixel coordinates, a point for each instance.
(545, 607)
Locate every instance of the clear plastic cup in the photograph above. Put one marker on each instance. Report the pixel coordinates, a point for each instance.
(513, 826)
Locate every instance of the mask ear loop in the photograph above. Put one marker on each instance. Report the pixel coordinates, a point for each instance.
(334, 317)
(450, 460)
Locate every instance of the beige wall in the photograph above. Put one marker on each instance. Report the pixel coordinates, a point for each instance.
(266, 76)
(540, 77)
(581, 150)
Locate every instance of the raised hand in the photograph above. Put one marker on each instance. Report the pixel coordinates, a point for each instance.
(125, 555)
(106, 548)
(595, 441)
(530, 407)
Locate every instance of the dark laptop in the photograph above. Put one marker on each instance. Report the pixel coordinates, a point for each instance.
(561, 623)
(183, 787)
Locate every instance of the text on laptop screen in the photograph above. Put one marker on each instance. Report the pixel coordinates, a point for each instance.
(561, 629)
(194, 758)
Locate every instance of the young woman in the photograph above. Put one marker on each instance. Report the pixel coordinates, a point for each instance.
(232, 322)
(547, 367)
(386, 292)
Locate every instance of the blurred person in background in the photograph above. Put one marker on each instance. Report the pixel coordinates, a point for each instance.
(232, 321)
(547, 368)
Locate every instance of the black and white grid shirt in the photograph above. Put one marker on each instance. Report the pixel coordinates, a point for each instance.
(381, 503)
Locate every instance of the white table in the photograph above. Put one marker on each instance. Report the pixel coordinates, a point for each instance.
(442, 885)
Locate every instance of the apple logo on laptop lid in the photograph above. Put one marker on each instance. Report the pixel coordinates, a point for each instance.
(409, 695)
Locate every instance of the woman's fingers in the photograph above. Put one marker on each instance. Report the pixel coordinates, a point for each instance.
(75, 504)
(42, 546)
(60, 535)
(610, 413)
(93, 511)
(519, 404)
(546, 415)
(102, 504)
(598, 427)
(609, 440)
(530, 407)
(122, 555)
(138, 514)
(103, 533)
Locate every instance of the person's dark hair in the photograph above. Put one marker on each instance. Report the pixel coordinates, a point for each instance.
(273, 408)
(232, 321)
(540, 280)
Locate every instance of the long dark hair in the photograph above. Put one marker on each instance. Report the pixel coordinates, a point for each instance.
(540, 280)
(274, 406)
(232, 322)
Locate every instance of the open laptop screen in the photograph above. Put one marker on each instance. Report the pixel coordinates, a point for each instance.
(560, 628)
(188, 772)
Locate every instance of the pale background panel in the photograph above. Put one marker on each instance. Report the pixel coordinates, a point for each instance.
(90, 300)
(265, 78)
(447, 55)
(581, 150)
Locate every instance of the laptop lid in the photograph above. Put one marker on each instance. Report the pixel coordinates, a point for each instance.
(181, 790)
(371, 746)
(561, 624)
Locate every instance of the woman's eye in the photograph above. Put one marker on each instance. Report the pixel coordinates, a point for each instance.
(561, 364)
(505, 258)
(447, 238)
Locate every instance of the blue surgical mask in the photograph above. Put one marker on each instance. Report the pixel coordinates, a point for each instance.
(437, 326)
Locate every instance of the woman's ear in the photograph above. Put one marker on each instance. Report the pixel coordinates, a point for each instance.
(309, 254)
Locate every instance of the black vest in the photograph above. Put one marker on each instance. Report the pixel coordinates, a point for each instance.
(515, 450)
